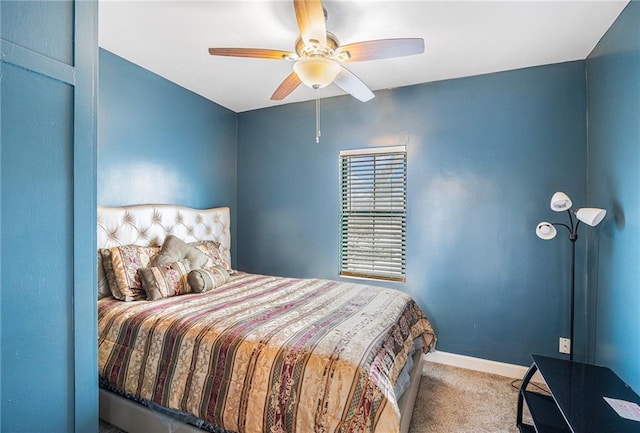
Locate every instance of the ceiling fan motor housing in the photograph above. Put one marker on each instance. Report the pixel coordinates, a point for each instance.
(314, 50)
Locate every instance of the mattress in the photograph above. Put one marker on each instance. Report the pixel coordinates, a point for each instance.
(267, 354)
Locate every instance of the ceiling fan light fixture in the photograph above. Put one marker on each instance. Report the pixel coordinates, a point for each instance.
(316, 72)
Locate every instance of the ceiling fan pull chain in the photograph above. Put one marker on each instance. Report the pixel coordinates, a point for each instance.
(317, 115)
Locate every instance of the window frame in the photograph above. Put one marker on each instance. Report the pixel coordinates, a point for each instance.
(373, 203)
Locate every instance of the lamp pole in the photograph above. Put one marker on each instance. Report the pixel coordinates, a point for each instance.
(573, 237)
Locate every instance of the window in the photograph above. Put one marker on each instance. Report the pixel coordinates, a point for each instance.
(373, 213)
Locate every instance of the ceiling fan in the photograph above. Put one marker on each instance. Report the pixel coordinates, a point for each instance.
(319, 57)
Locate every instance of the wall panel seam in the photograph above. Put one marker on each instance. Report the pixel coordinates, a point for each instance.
(35, 62)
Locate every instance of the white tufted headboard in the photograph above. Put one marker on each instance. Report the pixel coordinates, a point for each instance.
(148, 224)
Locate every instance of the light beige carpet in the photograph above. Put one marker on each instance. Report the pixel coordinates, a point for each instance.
(454, 400)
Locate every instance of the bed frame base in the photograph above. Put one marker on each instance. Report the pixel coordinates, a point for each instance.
(408, 399)
(133, 417)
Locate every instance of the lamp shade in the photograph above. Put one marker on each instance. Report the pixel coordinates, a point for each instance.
(546, 231)
(591, 215)
(316, 72)
(560, 202)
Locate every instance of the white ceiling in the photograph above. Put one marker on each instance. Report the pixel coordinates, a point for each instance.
(171, 38)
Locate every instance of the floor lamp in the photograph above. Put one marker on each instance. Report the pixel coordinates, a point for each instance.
(561, 202)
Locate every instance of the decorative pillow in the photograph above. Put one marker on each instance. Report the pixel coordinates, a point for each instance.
(212, 249)
(103, 285)
(175, 249)
(107, 267)
(203, 280)
(122, 270)
(166, 280)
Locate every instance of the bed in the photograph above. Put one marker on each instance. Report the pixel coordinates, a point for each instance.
(256, 354)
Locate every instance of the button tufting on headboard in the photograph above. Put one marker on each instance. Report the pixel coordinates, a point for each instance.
(149, 224)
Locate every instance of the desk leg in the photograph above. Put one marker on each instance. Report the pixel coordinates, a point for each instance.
(523, 386)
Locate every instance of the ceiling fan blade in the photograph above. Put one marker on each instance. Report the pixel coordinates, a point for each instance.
(380, 49)
(310, 16)
(286, 87)
(350, 83)
(257, 53)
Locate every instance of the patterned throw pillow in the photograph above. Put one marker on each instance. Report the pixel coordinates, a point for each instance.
(103, 284)
(107, 266)
(121, 265)
(175, 249)
(212, 249)
(164, 281)
(204, 280)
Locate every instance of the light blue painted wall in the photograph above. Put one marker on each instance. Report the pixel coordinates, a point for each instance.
(47, 169)
(160, 143)
(36, 284)
(613, 77)
(485, 155)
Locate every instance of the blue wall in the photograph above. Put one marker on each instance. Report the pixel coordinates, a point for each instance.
(47, 231)
(613, 77)
(485, 155)
(160, 143)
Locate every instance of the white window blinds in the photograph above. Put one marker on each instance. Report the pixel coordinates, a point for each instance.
(373, 213)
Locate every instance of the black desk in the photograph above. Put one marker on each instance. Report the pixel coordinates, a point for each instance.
(576, 404)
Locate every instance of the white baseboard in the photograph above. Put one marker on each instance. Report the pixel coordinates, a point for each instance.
(478, 364)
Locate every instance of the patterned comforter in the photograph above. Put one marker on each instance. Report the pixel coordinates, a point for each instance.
(267, 354)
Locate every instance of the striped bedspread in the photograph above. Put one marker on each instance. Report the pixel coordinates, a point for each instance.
(267, 354)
